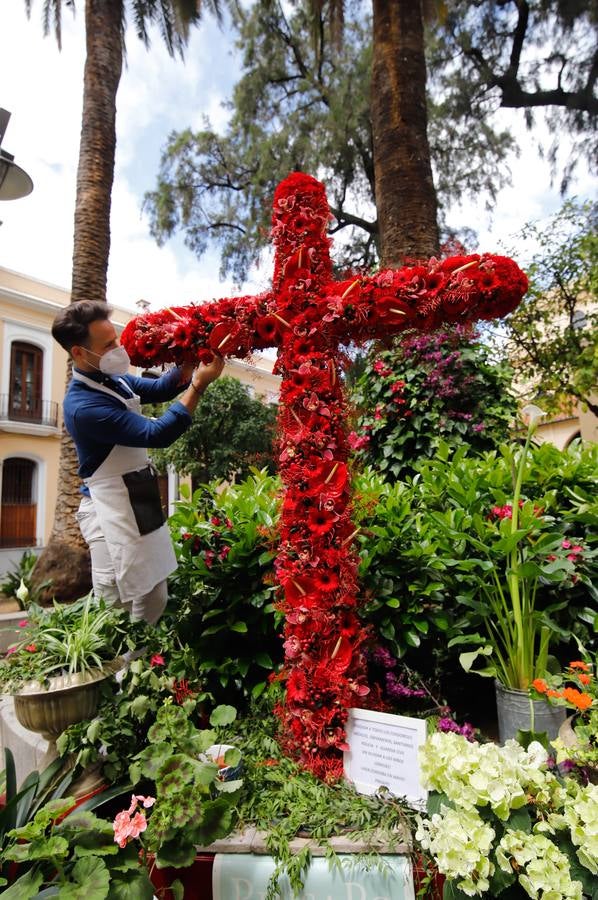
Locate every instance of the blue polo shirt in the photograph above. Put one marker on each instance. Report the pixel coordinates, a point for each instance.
(97, 421)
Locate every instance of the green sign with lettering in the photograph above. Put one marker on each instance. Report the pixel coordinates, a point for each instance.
(240, 876)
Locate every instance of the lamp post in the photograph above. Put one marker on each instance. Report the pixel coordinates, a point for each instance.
(14, 181)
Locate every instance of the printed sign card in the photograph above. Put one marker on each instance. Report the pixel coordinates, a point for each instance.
(383, 753)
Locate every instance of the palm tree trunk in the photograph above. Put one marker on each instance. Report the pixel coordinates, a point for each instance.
(405, 193)
(66, 560)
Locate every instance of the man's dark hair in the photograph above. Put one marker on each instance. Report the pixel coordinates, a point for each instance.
(71, 325)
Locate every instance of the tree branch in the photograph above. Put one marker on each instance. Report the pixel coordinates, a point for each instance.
(344, 218)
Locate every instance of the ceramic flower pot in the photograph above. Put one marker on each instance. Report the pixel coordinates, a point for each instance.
(66, 699)
(515, 711)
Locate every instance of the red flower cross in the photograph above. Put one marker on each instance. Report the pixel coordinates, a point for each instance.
(308, 316)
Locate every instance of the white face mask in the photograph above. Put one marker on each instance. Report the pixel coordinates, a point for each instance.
(115, 362)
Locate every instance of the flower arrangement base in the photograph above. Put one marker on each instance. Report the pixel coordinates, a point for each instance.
(514, 711)
(246, 851)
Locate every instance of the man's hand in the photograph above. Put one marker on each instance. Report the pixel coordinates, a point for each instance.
(205, 374)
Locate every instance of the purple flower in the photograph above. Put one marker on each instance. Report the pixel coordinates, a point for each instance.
(397, 690)
(383, 657)
(446, 724)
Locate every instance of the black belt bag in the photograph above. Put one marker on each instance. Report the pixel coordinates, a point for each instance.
(144, 496)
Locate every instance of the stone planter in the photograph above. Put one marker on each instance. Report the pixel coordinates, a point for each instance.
(66, 700)
(515, 710)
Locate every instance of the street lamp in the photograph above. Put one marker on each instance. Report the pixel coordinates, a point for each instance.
(14, 181)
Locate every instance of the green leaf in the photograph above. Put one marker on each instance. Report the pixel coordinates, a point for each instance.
(91, 881)
(240, 627)
(175, 853)
(223, 715)
(468, 659)
(263, 660)
(134, 885)
(520, 820)
(452, 892)
(25, 887)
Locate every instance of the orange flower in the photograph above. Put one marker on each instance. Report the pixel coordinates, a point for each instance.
(551, 693)
(578, 664)
(540, 685)
(584, 679)
(577, 698)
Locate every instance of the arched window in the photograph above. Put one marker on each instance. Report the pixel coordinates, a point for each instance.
(25, 391)
(18, 513)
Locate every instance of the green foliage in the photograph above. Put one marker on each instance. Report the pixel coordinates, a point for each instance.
(193, 805)
(231, 432)
(67, 639)
(166, 671)
(552, 337)
(426, 389)
(469, 500)
(422, 582)
(223, 591)
(69, 853)
(303, 104)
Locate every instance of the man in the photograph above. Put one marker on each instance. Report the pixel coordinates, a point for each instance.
(120, 515)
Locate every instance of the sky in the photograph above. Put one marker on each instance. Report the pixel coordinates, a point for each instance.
(42, 88)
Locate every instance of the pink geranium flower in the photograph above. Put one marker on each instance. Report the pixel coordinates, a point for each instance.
(157, 660)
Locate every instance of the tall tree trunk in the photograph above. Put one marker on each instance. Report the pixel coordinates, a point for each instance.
(405, 193)
(66, 560)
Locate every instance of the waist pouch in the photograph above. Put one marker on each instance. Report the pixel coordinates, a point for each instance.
(144, 496)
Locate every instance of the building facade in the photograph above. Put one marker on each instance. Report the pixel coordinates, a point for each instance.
(33, 370)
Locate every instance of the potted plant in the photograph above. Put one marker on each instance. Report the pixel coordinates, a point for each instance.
(501, 821)
(55, 671)
(514, 550)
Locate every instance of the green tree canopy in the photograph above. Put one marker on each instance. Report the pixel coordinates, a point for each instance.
(552, 337)
(230, 433)
(303, 104)
(537, 55)
(425, 390)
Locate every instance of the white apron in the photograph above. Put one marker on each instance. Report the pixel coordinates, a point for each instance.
(140, 561)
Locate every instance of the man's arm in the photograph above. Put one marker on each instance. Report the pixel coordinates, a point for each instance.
(162, 389)
(106, 421)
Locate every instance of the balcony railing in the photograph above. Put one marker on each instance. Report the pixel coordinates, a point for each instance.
(45, 413)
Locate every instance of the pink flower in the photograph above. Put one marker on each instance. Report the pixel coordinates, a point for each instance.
(121, 827)
(157, 660)
(148, 802)
(356, 442)
(566, 544)
(137, 825)
(11, 650)
(31, 648)
(215, 521)
(23, 623)
(224, 552)
(228, 523)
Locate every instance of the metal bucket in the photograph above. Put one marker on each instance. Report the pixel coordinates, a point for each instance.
(514, 709)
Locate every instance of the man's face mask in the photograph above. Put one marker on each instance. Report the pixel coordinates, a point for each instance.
(114, 362)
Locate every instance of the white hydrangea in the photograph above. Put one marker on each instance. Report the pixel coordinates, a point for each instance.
(542, 869)
(460, 842)
(581, 816)
(473, 774)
